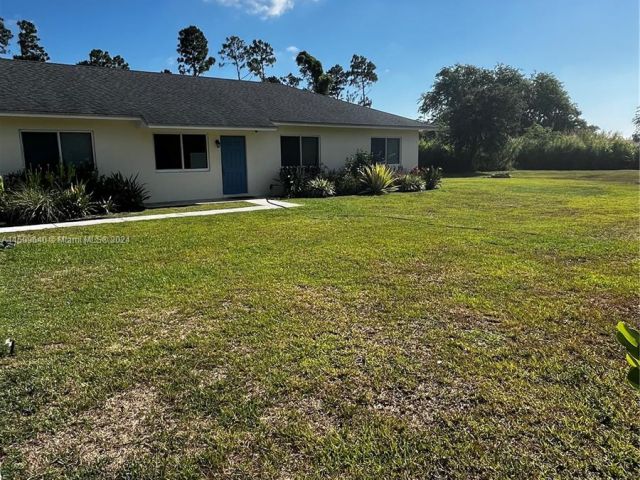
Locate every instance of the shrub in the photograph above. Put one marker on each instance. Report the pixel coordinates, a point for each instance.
(126, 194)
(295, 180)
(435, 152)
(356, 162)
(31, 204)
(410, 182)
(321, 187)
(347, 184)
(377, 179)
(45, 196)
(432, 176)
(543, 149)
(75, 202)
(106, 206)
(60, 177)
(4, 212)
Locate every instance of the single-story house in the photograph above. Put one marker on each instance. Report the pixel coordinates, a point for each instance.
(187, 138)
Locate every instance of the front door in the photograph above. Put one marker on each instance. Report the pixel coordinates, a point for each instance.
(234, 165)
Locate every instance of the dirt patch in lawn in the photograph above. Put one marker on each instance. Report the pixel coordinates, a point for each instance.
(121, 429)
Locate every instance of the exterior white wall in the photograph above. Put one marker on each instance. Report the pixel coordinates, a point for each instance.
(127, 147)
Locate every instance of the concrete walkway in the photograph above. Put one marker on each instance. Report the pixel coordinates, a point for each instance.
(260, 204)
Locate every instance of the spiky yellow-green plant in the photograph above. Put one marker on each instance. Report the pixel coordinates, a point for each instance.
(377, 179)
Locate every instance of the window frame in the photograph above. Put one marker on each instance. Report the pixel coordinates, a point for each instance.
(57, 132)
(300, 137)
(386, 149)
(181, 170)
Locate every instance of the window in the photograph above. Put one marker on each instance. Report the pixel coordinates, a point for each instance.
(48, 149)
(178, 152)
(300, 151)
(386, 150)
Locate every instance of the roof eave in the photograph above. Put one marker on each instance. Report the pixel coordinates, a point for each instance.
(353, 125)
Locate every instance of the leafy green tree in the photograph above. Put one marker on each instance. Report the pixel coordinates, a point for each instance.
(550, 106)
(259, 57)
(166, 70)
(5, 37)
(291, 80)
(339, 80)
(636, 123)
(477, 109)
(30, 48)
(362, 76)
(193, 51)
(312, 71)
(234, 51)
(100, 58)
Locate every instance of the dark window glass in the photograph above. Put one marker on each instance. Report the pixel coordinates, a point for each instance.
(77, 149)
(290, 151)
(40, 150)
(378, 147)
(310, 152)
(168, 154)
(393, 150)
(195, 151)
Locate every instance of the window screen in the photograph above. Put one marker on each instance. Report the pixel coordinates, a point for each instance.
(393, 150)
(194, 148)
(310, 152)
(77, 149)
(168, 152)
(378, 147)
(40, 150)
(290, 151)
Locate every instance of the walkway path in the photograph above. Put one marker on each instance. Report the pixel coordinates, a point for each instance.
(260, 204)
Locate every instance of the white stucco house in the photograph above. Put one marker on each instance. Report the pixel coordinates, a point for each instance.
(187, 138)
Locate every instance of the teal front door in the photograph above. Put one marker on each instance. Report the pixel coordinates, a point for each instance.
(234, 165)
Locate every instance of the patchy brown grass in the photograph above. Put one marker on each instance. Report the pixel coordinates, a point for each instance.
(118, 431)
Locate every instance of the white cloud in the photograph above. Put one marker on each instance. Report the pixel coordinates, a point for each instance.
(293, 50)
(264, 8)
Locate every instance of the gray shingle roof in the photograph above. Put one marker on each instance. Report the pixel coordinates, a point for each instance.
(173, 100)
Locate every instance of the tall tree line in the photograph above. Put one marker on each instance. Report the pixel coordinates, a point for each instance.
(249, 60)
(478, 109)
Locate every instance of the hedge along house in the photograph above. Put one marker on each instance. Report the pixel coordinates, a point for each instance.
(187, 138)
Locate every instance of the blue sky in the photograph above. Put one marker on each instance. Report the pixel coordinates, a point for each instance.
(591, 45)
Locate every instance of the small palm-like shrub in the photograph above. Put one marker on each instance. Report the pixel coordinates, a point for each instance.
(107, 206)
(75, 202)
(410, 183)
(46, 196)
(126, 193)
(432, 176)
(377, 179)
(321, 187)
(31, 204)
(295, 180)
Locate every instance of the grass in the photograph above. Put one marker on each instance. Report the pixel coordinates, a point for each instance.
(466, 332)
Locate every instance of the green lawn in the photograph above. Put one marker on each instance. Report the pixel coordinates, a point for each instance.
(466, 332)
